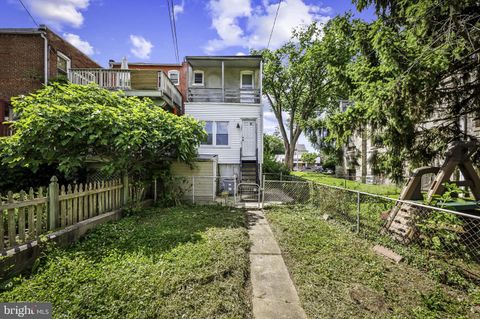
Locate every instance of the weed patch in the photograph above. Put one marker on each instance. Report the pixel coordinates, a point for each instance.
(160, 263)
(339, 276)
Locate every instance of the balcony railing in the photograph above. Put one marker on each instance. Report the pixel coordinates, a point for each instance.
(119, 79)
(247, 96)
(105, 78)
(169, 89)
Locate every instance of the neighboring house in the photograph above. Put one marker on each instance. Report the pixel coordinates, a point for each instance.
(298, 163)
(360, 154)
(176, 72)
(226, 93)
(147, 81)
(29, 59)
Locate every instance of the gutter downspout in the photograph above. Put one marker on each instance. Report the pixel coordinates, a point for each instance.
(42, 30)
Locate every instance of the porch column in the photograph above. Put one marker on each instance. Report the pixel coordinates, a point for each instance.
(223, 81)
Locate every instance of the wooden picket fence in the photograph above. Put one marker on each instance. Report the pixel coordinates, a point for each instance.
(26, 216)
(81, 202)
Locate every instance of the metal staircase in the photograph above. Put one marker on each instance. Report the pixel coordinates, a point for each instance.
(248, 188)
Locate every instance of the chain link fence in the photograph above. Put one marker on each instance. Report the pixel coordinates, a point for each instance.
(417, 231)
(205, 189)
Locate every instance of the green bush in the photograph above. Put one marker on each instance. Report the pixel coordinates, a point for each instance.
(270, 166)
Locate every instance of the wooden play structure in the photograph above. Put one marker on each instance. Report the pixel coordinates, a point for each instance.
(458, 155)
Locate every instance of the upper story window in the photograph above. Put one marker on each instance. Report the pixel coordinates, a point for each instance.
(246, 80)
(198, 78)
(174, 76)
(63, 63)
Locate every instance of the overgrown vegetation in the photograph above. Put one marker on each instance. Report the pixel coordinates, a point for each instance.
(273, 145)
(338, 275)
(156, 263)
(67, 125)
(411, 75)
(389, 190)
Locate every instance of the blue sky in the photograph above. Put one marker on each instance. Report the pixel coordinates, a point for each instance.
(140, 29)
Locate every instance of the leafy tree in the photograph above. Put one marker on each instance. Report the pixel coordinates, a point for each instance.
(66, 125)
(272, 145)
(412, 77)
(295, 83)
(309, 158)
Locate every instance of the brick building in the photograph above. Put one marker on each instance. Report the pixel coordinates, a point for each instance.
(31, 58)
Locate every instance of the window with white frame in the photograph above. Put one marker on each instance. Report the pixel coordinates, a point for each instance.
(63, 63)
(221, 134)
(246, 79)
(174, 76)
(217, 133)
(209, 129)
(198, 78)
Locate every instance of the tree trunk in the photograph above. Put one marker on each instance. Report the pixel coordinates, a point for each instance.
(289, 153)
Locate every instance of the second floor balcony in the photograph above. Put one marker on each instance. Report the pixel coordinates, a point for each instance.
(150, 83)
(250, 96)
(224, 79)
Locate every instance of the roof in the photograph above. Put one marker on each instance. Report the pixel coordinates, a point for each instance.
(22, 30)
(300, 148)
(207, 157)
(146, 63)
(251, 61)
(223, 57)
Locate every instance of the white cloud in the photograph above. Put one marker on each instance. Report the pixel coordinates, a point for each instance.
(82, 45)
(238, 24)
(240, 54)
(141, 47)
(57, 13)
(178, 9)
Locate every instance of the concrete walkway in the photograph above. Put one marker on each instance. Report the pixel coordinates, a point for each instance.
(274, 295)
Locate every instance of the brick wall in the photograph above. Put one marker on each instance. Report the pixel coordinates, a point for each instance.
(21, 66)
(22, 63)
(22, 59)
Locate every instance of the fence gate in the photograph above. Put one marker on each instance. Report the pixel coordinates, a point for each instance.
(248, 193)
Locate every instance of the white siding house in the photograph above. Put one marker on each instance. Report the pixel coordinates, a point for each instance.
(225, 93)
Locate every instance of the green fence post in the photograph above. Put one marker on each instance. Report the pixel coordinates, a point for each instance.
(155, 190)
(358, 212)
(53, 203)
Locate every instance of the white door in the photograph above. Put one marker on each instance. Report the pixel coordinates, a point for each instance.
(249, 138)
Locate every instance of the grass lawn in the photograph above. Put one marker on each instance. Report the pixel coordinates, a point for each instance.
(387, 190)
(158, 263)
(337, 274)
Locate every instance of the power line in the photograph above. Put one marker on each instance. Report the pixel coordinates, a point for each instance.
(23, 5)
(274, 21)
(173, 28)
